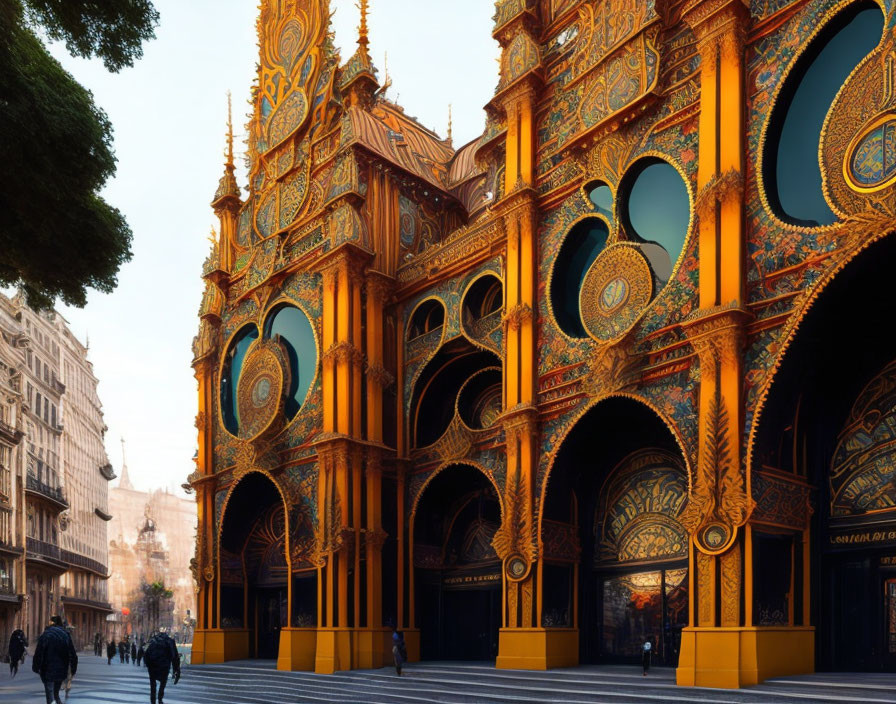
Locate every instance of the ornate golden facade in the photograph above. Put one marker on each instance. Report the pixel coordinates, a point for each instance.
(618, 369)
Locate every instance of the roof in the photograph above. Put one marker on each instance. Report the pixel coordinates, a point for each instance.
(403, 141)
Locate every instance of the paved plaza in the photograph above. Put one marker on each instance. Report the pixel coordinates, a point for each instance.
(257, 682)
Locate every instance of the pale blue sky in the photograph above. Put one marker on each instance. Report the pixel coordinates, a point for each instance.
(169, 118)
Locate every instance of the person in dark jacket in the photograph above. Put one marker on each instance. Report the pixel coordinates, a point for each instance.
(54, 658)
(140, 652)
(160, 656)
(17, 645)
(122, 646)
(134, 652)
(110, 650)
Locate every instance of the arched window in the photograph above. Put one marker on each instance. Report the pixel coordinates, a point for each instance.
(295, 332)
(656, 210)
(233, 364)
(792, 172)
(579, 250)
(484, 297)
(429, 316)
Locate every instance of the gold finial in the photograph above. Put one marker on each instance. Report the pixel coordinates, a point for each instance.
(363, 37)
(450, 124)
(229, 162)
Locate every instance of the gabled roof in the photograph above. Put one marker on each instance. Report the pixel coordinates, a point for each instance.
(403, 141)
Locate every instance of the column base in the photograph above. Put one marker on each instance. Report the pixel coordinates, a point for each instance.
(197, 650)
(730, 658)
(214, 646)
(373, 648)
(412, 644)
(334, 650)
(298, 648)
(537, 648)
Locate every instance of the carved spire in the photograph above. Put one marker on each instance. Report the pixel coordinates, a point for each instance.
(450, 126)
(228, 190)
(363, 37)
(358, 82)
(229, 163)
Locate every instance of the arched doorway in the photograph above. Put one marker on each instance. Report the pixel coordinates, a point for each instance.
(456, 571)
(829, 424)
(615, 554)
(254, 570)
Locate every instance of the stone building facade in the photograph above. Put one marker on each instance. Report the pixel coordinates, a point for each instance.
(58, 477)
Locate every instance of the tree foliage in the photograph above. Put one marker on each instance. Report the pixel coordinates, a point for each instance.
(57, 235)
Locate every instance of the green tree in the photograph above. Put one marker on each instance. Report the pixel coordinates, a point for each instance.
(57, 235)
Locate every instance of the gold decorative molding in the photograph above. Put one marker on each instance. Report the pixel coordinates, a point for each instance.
(719, 189)
(517, 315)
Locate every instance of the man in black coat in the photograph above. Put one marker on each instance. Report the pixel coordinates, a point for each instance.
(110, 650)
(17, 645)
(54, 657)
(160, 656)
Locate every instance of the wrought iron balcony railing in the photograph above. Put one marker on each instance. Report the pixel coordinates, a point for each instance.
(46, 553)
(86, 563)
(54, 494)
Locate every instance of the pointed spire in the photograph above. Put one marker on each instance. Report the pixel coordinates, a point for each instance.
(363, 36)
(450, 126)
(227, 186)
(125, 481)
(358, 81)
(229, 163)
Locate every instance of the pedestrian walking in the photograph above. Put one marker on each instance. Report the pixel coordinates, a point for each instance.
(399, 650)
(134, 652)
(140, 653)
(110, 650)
(645, 655)
(121, 648)
(161, 656)
(17, 646)
(54, 659)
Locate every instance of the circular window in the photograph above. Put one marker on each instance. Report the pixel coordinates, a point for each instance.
(656, 209)
(294, 330)
(233, 365)
(579, 250)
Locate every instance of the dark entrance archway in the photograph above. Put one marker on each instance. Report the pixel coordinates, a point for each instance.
(254, 569)
(830, 421)
(615, 554)
(457, 573)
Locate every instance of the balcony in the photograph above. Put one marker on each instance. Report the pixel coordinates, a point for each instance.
(90, 599)
(8, 550)
(10, 434)
(44, 554)
(107, 472)
(52, 494)
(8, 590)
(85, 563)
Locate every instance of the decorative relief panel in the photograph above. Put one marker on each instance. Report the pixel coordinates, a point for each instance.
(863, 470)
